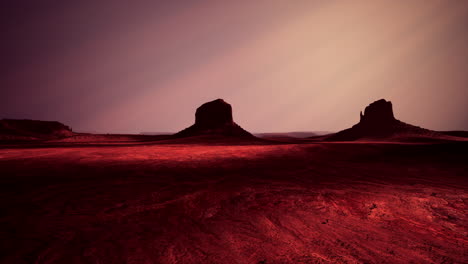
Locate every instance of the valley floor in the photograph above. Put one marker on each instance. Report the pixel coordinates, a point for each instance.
(196, 203)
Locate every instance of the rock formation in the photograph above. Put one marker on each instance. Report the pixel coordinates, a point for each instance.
(33, 129)
(214, 118)
(378, 122)
(378, 112)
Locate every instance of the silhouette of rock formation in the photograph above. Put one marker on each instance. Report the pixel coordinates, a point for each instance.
(378, 122)
(378, 112)
(214, 118)
(33, 129)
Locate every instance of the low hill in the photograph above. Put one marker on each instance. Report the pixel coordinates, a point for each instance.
(25, 129)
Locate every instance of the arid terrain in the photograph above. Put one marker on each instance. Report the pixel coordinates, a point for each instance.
(234, 132)
(224, 201)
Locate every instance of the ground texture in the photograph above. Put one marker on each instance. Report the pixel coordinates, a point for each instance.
(197, 203)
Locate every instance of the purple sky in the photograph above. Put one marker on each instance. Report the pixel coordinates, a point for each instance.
(132, 66)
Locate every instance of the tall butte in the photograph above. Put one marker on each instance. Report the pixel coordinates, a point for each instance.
(378, 121)
(214, 118)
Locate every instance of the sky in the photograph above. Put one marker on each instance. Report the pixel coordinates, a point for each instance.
(115, 66)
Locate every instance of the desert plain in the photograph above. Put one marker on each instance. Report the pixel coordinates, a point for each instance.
(129, 200)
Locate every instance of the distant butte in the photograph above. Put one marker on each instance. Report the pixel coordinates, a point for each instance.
(378, 113)
(378, 122)
(214, 118)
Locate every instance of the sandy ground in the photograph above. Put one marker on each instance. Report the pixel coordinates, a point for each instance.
(194, 203)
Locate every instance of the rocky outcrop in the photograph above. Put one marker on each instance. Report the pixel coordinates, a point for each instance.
(377, 122)
(377, 113)
(214, 114)
(214, 118)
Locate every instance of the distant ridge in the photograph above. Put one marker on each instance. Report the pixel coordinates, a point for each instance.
(155, 133)
(456, 133)
(214, 122)
(26, 129)
(299, 134)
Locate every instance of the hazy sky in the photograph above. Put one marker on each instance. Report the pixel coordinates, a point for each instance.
(132, 66)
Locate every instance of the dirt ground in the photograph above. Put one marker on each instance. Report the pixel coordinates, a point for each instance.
(234, 203)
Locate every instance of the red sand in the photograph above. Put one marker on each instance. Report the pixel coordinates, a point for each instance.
(296, 203)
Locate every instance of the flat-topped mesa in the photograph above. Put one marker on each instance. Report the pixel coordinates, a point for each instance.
(378, 113)
(214, 114)
(35, 129)
(214, 118)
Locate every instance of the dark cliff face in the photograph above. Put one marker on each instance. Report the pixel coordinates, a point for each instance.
(378, 119)
(214, 114)
(377, 113)
(214, 118)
